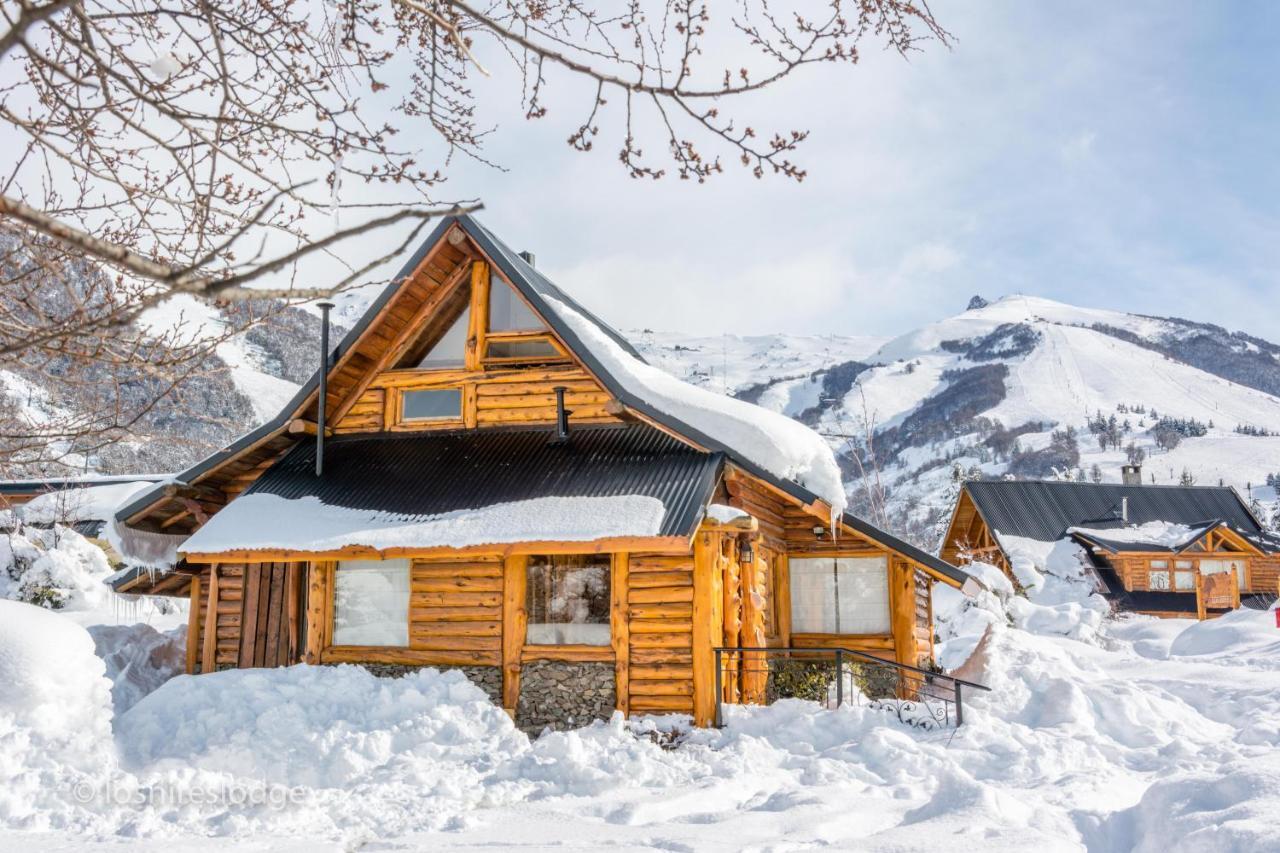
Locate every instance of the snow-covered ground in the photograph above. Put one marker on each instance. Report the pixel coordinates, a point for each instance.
(1099, 734)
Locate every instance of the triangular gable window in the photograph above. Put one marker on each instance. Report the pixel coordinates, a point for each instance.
(508, 312)
(451, 349)
(442, 341)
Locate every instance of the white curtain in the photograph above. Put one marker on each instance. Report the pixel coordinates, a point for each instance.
(1212, 567)
(371, 603)
(840, 595)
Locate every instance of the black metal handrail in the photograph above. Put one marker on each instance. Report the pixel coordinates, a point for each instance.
(921, 697)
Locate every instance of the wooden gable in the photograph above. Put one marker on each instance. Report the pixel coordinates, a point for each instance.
(367, 385)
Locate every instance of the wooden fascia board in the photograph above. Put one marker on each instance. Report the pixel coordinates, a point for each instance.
(648, 544)
(1235, 539)
(955, 514)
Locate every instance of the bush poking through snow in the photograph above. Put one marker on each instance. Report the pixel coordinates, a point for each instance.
(54, 568)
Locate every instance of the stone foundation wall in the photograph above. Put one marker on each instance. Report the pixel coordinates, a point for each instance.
(487, 678)
(564, 695)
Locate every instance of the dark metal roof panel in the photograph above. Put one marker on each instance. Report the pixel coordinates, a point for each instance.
(427, 474)
(1043, 510)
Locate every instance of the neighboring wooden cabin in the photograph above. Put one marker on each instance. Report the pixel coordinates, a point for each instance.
(459, 522)
(1161, 550)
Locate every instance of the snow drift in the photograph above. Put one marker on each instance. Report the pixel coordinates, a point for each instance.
(55, 719)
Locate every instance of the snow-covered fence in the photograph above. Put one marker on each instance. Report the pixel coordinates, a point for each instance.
(838, 676)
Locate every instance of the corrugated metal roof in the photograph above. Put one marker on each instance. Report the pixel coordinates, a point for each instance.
(426, 474)
(1043, 510)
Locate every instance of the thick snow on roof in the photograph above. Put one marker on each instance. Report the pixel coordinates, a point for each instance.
(1162, 534)
(87, 503)
(775, 442)
(262, 521)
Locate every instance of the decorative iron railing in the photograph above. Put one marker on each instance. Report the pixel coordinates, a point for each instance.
(833, 677)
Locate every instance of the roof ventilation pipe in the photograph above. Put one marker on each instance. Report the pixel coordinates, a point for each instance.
(562, 417)
(1124, 510)
(527, 257)
(323, 397)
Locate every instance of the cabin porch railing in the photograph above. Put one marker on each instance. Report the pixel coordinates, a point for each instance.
(835, 677)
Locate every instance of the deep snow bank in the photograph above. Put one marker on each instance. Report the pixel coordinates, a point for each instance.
(138, 659)
(55, 719)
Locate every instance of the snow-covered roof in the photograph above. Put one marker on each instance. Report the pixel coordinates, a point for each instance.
(467, 488)
(1154, 535)
(263, 522)
(81, 503)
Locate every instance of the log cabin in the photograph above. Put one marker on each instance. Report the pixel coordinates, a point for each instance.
(1172, 551)
(483, 475)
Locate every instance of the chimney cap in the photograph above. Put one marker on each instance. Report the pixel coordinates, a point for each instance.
(528, 257)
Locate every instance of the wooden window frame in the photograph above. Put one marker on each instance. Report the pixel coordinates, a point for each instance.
(572, 652)
(487, 360)
(820, 640)
(394, 401)
(331, 610)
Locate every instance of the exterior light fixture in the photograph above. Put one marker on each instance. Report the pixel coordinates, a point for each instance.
(745, 553)
(818, 530)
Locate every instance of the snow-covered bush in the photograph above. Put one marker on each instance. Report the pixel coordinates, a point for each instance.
(54, 568)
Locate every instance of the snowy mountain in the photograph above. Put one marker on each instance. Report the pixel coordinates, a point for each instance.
(1021, 386)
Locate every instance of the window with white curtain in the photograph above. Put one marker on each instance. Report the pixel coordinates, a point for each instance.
(371, 603)
(839, 595)
(567, 600)
(1211, 567)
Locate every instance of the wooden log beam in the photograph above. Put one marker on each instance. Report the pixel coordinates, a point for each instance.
(193, 627)
(317, 589)
(514, 625)
(704, 659)
(302, 426)
(619, 620)
(209, 652)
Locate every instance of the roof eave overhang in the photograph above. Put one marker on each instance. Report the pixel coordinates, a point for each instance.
(654, 544)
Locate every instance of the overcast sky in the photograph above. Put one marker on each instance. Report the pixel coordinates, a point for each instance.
(1119, 155)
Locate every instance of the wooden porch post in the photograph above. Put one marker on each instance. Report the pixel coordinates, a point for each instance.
(619, 617)
(902, 601)
(514, 626)
(317, 607)
(193, 627)
(208, 659)
(704, 698)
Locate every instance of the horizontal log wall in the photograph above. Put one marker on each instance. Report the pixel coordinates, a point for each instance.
(455, 610)
(660, 632)
(1265, 577)
(230, 600)
(495, 397)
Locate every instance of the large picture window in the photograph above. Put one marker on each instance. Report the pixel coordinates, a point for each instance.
(567, 600)
(371, 603)
(840, 595)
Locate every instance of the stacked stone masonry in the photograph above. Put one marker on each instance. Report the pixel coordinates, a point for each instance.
(563, 695)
